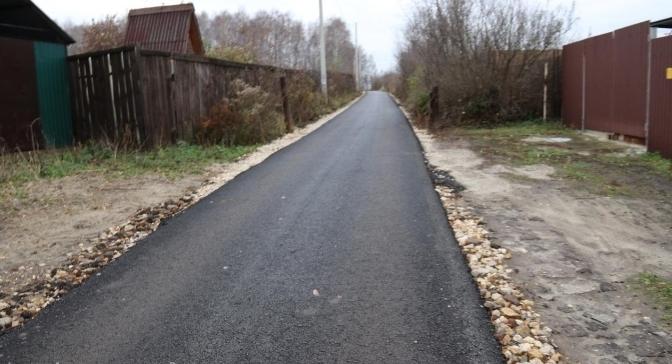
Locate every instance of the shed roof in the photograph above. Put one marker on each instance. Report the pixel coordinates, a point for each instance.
(23, 19)
(171, 28)
(665, 23)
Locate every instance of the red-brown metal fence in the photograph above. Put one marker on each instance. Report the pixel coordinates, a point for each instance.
(660, 111)
(630, 60)
(572, 85)
(599, 76)
(614, 83)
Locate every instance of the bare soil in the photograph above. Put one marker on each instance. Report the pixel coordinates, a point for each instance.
(59, 215)
(576, 251)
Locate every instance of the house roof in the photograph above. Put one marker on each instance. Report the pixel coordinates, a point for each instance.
(665, 23)
(23, 19)
(171, 28)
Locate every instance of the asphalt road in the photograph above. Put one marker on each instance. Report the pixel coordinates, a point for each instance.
(335, 249)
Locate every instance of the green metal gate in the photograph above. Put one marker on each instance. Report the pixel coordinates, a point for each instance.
(53, 93)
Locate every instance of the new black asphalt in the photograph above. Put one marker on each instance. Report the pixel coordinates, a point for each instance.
(334, 250)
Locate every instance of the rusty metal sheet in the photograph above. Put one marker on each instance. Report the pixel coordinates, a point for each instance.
(660, 124)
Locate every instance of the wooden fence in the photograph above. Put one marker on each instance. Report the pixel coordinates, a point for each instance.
(150, 98)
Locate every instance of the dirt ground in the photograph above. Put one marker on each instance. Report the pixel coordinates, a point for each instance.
(59, 217)
(575, 251)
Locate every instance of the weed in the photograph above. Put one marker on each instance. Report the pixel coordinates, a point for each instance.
(522, 129)
(248, 116)
(659, 289)
(537, 155)
(580, 171)
(657, 163)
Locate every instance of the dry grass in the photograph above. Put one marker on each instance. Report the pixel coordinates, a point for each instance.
(17, 169)
(599, 167)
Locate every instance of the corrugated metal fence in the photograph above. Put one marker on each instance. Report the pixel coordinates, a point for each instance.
(660, 111)
(608, 85)
(153, 98)
(52, 90)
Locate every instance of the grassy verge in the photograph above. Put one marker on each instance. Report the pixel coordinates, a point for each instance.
(660, 290)
(600, 167)
(17, 169)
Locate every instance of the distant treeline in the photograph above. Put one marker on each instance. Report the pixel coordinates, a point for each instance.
(267, 37)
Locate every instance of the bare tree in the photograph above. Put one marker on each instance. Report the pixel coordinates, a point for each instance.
(485, 56)
(98, 35)
(267, 37)
(388, 81)
(277, 39)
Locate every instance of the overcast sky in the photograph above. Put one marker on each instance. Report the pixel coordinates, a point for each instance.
(380, 21)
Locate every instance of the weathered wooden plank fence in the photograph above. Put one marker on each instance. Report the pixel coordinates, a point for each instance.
(150, 98)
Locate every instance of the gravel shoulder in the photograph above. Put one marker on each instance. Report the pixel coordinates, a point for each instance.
(575, 251)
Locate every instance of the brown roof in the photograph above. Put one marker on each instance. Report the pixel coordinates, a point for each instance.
(171, 28)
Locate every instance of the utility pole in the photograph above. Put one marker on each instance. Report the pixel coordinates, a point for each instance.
(323, 55)
(356, 71)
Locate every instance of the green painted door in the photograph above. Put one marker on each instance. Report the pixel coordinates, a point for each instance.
(53, 93)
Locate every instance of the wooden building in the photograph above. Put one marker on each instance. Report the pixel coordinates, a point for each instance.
(171, 29)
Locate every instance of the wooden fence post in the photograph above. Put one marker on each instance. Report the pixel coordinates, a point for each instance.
(433, 107)
(285, 105)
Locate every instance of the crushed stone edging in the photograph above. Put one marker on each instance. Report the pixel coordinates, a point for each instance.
(25, 303)
(523, 337)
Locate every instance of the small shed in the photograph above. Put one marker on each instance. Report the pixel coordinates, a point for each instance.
(172, 28)
(35, 95)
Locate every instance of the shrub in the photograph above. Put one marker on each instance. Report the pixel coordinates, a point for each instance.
(247, 117)
(486, 57)
(305, 102)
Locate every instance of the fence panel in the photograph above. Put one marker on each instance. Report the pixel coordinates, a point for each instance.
(660, 124)
(180, 90)
(599, 77)
(630, 65)
(572, 84)
(613, 67)
(156, 94)
(103, 97)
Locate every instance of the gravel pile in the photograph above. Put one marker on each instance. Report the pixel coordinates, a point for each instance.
(523, 336)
